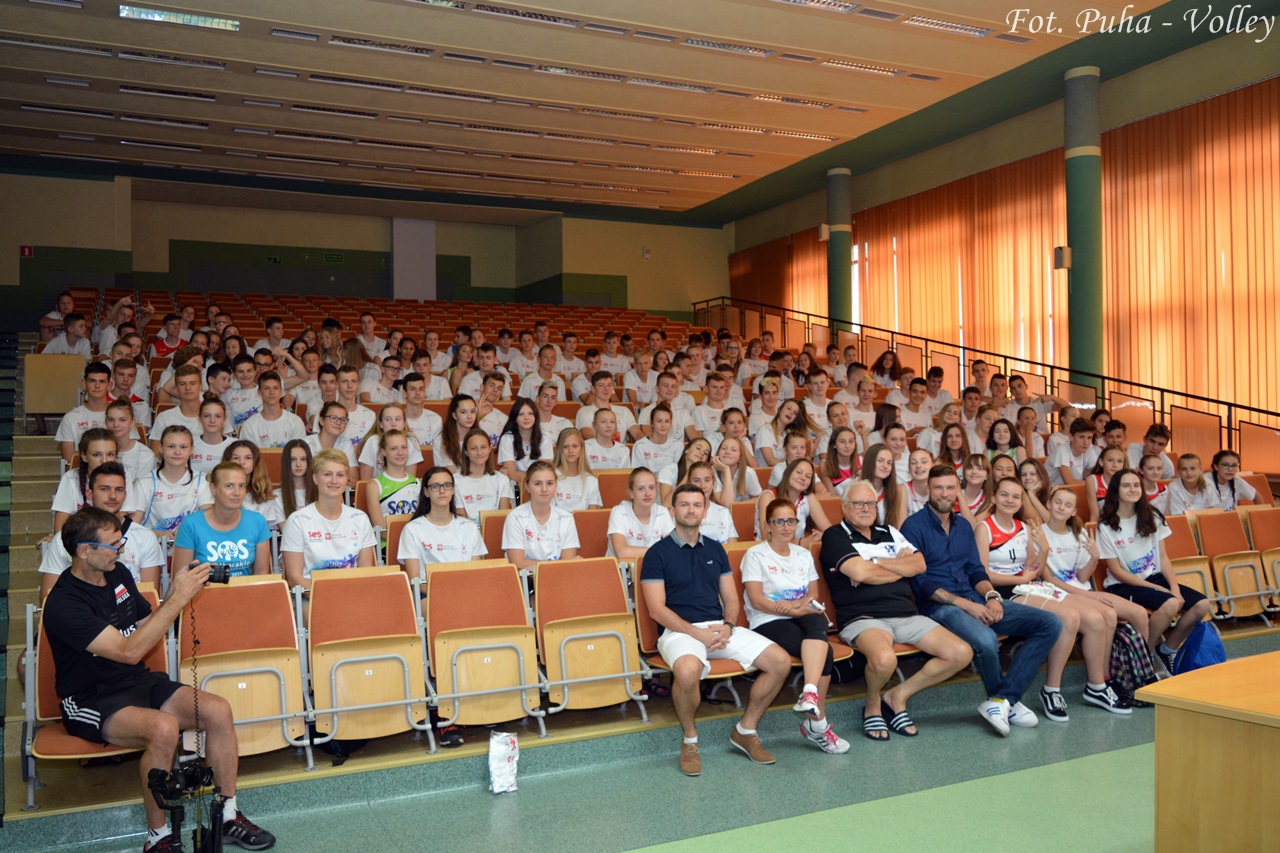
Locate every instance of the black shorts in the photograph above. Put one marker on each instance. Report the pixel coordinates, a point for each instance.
(790, 633)
(1154, 599)
(84, 714)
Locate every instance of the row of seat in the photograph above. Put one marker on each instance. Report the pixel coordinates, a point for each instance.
(1231, 557)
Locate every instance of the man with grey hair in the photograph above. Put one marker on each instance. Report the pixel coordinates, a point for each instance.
(869, 567)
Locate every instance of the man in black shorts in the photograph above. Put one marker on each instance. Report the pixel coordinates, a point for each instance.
(100, 629)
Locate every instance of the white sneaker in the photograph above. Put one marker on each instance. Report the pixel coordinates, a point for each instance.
(996, 712)
(828, 741)
(1022, 716)
(808, 704)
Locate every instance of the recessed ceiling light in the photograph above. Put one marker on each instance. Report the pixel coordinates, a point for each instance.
(385, 46)
(140, 13)
(795, 102)
(730, 47)
(177, 94)
(65, 47)
(671, 84)
(827, 5)
(536, 17)
(796, 134)
(864, 67)
(66, 81)
(295, 34)
(169, 59)
(947, 26)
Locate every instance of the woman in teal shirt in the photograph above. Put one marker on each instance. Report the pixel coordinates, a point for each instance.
(225, 533)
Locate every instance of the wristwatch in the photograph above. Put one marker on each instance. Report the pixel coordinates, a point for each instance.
(990, 595)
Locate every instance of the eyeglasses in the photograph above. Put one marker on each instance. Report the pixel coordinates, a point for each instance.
(862, 504)
(437, 488)
(1229, 466)
(116, 547)
(784, 522)
(335, 419)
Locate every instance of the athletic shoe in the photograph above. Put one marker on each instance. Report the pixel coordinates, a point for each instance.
(1022, 716)
(808, 704)
(1108, 700)
(1167, 658)
(1055, 707)
(449, 737)
(245, 833)
(827, 741)
(690, 760)
(751, 746)
(996, 712)
(164, 845)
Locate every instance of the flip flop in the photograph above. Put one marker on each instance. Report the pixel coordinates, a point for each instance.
(872, 726)
(899, 721)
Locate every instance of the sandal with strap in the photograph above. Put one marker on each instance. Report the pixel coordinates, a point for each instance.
(899, 721)
(873, 727)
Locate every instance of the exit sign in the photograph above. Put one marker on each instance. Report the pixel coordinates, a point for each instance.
(26, 251)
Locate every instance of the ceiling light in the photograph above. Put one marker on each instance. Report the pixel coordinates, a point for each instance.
(537, 17)
(605, 28)
(385, 46)
(139, 13)
(67, 111)
(565, 71)
(642, 34)
(163, 146)
(313, 137)
(55, 45)
(168, 93)
(840, 6)
(669, 84)
(693, 173)
(797, 57)
(448, 93)
(730, 47)
(295, 34)
(736, 128)
(166, 122)
(879, 14)
(796, 134)
(614, 114)
(1012, 39)
(275, 72)
(258, 102)
(686, 149)
(358, 83)
(510, 131)
(864, 67)
(67, 4)
(465, 57)
(443, 4)
(66, 81)
(169, 59)
(252, 131)
(305, 108)
(947, 26)
(589, 140)
(77, 137)
(795, 102)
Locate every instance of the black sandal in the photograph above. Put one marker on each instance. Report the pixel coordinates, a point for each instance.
(899, 721)
(873, 726)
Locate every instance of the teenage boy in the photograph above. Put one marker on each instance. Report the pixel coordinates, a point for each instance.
(580, 386)
(1022, 397)
(970, 402)
(374, 346)
(602, 397)
(489, 417)
(900, 395)
(658, 343)
(381, 391)
(52, 323)
(936, 396)
(186, 380)
(359, 418)
(815, 400)
(89, 414)
(612, 360)
(437, 386)
(275, 336)
(439, 360)
(124, 375)
(424, 423)
(505, 350)
(327, 383)
(981, 371)
(1153, 444)
(170, 337)
(73, 340)
(1071, 462)
(548, 420)
(301, 388)
(272, 425)
(525, 361)
(640, 383)
(461, 335)
(778, 363)
(542, 338)
(568, 362)
(545, 373)
(706, 418)
(242, 399)
(486, 363)
(682, 424)
(915, 415)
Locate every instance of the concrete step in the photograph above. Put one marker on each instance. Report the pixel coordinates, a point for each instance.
(36, 445)
(28, 525)
(25, 558)
(34, 467)
(37, 492)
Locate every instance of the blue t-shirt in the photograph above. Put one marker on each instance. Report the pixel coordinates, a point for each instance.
(236, 548)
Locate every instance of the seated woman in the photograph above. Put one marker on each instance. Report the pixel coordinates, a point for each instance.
(479, 486)
(931, 439)
(1227, 487)
(260, 495)
(438, 532)
(769, 440)
(1013, 558)
(458, 422)
(781, 586)
(538, 531)
(576, 487)
(796, 487)
(735, 458)
(656, 451)
(162, 500)
(717, 523)
(515, 456)
(919, 464)
(327, 534)
(1131, 539)
(226, 533)
(796, 445)
(639, 521)
(298, 488)
(891, 496)
(1035, 485)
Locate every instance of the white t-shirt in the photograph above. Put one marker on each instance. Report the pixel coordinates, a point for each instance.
(1225, 498)
(622, 519)
(242, 404)
(1079, 465)
(474, 381)
(615, 364)
(507, 451)
(936, 404)
(505, 356)
(457, 542)
(375, 348)
(438, 388)
(343, 447)
(69, 496)
(646, 454)
(359, 420)
(642, 390)
(707, 419)
(425, 427)
(379, 393)
(580, 386)
(522, 365)
(59, 346)
(817, 413)
(440, 361)
(913, 420)
(273, 433)
(307, 394)
(752, 483)
(681, 419)
(1056, 440)
(718, 524)
(586, 414)
(539, 542)
(174, 417)
(272, 511)
(138, 461)
(440, 454)
(494, 423)
(1140, 555)
(574, 493)
(483, 493)
(1067, 557)
(1041, 407)
(1135, 459)
(326, 544)
(77, 422)
(617, 456)
(163, 504)
(780, 578)
(205, 456)
(570, 365)
(141, 551)
(532, 383)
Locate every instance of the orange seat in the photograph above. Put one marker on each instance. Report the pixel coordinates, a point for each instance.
(744, 519)
(1264, 526)
(395, 528)
(1262, 487)
(1237, 568)
(613, 485)
(593, 537)
(491, 521)
(272, 458)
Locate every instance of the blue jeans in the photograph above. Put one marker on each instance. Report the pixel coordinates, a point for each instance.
(1038, 629)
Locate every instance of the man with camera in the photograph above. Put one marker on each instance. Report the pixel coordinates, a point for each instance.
(100, 630)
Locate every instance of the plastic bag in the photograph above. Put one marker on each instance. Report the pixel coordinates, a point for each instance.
(504, 755)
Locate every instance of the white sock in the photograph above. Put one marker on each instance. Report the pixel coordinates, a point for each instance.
(1048, 689)
(693, 739)
(1096, 688)
(155, 836)
(819, 725)
(229, 809)
(743, 731)
(809, 688)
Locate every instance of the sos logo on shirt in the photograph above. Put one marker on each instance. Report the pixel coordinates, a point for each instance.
(227, 551)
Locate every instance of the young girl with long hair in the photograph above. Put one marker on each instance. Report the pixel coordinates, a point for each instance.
(953, 446)
(297, 488)
(841, 459)
(372, 457)
(639, 521)
(977, 487)
(891, 496)
(162, 500)
(95, 447)
(395, 490)
(1035, 483)
(717, 523)
(458, 421)
(538, 531)
(136, 457)
(886, 369)
(576, 487)
(438, 533)
(660, 449)
(735, 458)
(796, 488)
(478, 484)
(208, 447)
(917, 489)
(1151, 467)
(522, 442)
(1224, 482)
(1112, 461)
(1002, 440)
(333, 423)
(260, 495)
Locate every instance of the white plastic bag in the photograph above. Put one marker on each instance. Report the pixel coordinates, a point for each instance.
(504, 755)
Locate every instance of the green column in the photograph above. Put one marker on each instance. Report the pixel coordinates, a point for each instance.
(1083, 144)
(839, 247)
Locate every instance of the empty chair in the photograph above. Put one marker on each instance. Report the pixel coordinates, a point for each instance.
(271, 457)
(1237, 568)
(43, 734)
(366, 649)
(491, 521)
(483, 650)
(248, 655)
(744, 518)
(1189, 565)
(1262, 487)
(613, 486)
(586, 631)
(593, 527)
(1264, 525)
(395, 527)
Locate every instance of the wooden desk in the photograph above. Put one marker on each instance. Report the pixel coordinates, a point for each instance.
(1217, 748)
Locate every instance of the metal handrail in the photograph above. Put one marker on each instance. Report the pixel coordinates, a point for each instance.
(1162, 399)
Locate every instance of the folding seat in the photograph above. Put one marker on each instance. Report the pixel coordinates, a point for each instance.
(1189, 565)
(744, 519)
(1082, 503)
(43, 734)
(1237, 568)
(723, 671)
(248, 655)
(271, 458)
(484, 652)
(586, 631)
(395, 528)
(1263, 488)
(762, 474)
(592, 525)
(613, 485)
(1264, 527)
(491, 521)
(831, 507)
(366, 649)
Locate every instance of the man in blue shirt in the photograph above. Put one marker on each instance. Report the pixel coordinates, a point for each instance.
(955, 592)
(688, 586)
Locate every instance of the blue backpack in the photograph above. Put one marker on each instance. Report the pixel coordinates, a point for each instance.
(1203, 648)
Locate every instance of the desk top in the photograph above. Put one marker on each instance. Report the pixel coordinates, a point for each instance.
(1246, 689)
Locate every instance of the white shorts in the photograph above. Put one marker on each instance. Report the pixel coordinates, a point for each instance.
(744, 647)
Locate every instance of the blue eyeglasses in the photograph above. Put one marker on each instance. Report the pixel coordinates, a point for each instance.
(116, 547)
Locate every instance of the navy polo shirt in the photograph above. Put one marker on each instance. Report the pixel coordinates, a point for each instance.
(950, 557)
(691, 573)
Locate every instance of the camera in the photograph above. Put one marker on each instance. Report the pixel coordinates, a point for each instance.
(219, 574)
(168, 788)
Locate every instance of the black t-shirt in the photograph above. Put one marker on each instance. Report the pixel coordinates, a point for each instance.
(691, 575)
(75, 613)
(890, 600)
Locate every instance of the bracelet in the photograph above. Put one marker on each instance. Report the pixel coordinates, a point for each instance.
(990, 595)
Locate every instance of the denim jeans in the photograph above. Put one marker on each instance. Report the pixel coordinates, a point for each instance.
(1038, 629)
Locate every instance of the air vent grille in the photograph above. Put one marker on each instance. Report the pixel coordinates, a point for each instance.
(168, 93)
(538, 17)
